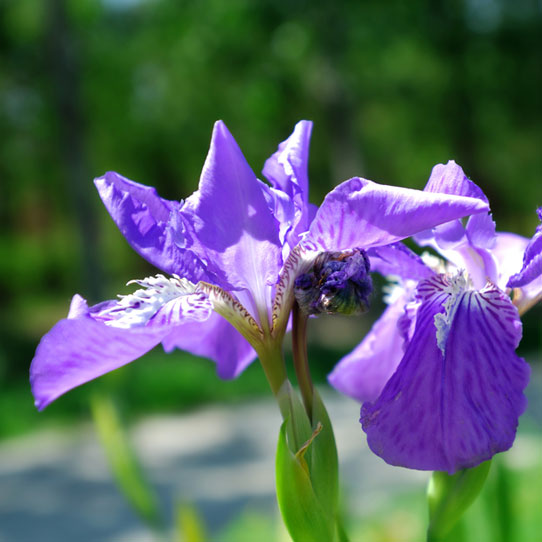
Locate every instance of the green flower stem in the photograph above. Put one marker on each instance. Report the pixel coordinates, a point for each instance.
(298, 426)
(274, 367)
(301, 362)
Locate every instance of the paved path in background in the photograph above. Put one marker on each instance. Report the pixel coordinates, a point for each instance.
(55, 486)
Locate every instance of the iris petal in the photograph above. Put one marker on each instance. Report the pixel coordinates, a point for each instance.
(360, 213)
(398, 259)
(233, 224)
(509, 250)
(532, 260)
(147, 221)
(450, 179)
(215, 339)
(363, 373)
(480, 230)
(287, 171)
(88, 344)
(452, 410)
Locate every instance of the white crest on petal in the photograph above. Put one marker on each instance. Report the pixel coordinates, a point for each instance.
(138, 308)
(456, 285)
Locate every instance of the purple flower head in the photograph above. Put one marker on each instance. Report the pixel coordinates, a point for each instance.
(339, 282)
(230, 254)
(441, 384)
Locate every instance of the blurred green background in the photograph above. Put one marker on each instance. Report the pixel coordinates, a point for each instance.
(135, 86)
(393, 88)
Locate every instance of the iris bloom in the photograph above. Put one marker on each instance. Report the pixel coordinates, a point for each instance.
(441, 384)
(231, 252)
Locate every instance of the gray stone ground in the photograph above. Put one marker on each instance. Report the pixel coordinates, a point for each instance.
(55, 486)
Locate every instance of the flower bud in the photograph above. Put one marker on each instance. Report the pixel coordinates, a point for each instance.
(338, 283)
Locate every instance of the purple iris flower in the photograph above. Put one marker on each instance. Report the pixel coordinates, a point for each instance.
(231, 252)
(438, 376)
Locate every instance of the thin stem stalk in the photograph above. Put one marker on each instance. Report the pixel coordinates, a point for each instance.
(274, 367)
(301, 361)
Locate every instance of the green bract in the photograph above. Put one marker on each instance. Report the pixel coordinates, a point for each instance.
(449, 496)
(307, 474)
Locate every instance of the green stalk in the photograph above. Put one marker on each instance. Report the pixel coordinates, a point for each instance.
(273, 364)
(301, 361)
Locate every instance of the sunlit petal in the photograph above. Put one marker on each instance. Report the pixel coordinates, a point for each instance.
(455, 402)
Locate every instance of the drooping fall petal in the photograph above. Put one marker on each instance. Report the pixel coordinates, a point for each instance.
(215, 339)
(456, 396)
(95, 341)
(363, 373)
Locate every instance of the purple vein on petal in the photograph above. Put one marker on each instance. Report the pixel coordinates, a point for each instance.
(287, 170)
(96, 340)
(146, 221)
(233, 223)
(360, 213)
(452, 410)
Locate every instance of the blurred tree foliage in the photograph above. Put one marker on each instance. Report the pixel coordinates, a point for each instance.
(135, 85)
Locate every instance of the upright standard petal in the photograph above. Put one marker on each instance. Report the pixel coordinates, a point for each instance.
(532, 260)
(95, 341)
(450, 179)
(232, 221)
(466, 247)
(146, 220)
(456, 396)
(509, 251)
(360, 213)
(215, 339)
(287, 170)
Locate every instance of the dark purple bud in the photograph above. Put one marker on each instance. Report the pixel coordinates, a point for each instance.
(338, 283)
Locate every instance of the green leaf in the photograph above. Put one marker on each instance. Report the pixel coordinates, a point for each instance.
(189, 524)
(300, 454)
(305, 517)
(324, 461)
(298, 425)
(123, 461)
(449, 496)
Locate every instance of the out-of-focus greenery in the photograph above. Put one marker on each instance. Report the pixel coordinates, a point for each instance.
(403, 518)
(135, 85)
